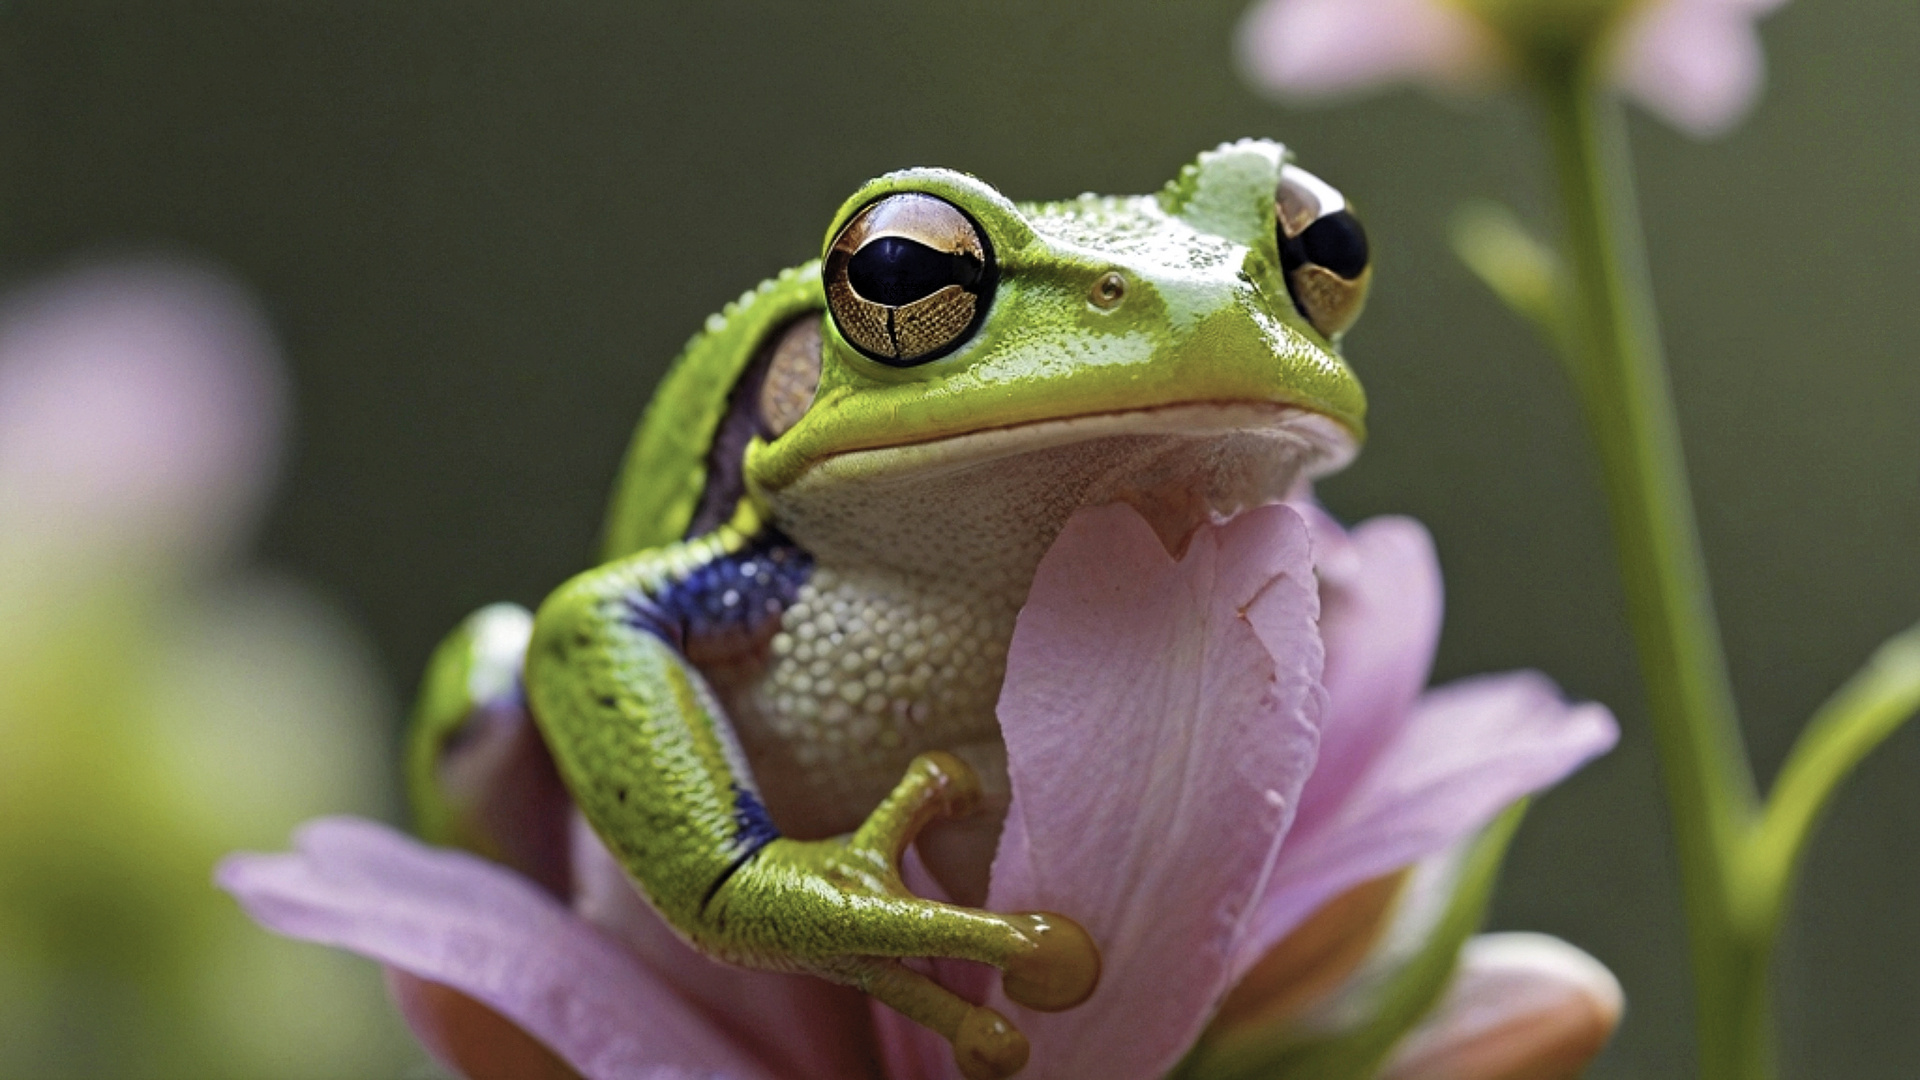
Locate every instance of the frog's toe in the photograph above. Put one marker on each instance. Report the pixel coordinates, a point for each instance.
(1048, 961)
(937, 784)
(1061, 969)
(985, 1045)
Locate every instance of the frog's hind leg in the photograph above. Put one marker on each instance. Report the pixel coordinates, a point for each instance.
(478, 774)
(652, 762)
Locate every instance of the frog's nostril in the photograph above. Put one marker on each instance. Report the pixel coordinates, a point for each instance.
(1108, 291)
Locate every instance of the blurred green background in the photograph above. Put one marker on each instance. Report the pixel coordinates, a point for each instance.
(481, 229)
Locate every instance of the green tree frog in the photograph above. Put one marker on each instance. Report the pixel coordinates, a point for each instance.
(785, 668)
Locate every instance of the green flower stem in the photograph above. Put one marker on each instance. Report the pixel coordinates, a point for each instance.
(1870, 707)
(1622, 379)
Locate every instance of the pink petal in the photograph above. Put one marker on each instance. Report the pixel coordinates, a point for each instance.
(469, 1039)
(139, 398)
(1469, 750)
(803, 1026)
(1321, 48)
(1696, 63)
(1196, 683)
(1520, 1005)
(458, 920)
(1380, 608)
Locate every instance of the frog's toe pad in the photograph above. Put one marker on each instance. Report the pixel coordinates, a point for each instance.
(987, 1047)
(1062, 968)
(957, 785)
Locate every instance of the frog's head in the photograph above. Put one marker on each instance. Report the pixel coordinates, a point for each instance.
(986, 366)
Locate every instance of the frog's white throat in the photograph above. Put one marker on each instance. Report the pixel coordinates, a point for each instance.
(989, 503)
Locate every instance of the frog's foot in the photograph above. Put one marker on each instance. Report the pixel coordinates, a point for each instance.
(985, 1045)
(838, 908)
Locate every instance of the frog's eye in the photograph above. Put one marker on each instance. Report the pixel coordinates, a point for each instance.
(1323, 250)
(908, 279)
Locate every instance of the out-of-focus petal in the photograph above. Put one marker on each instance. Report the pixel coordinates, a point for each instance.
(1521, 1007)
(1349, 1029)
(470, 1038)
(1316, 958)
(1197, 682)
(1380, 608)
(139, 398)
(1469, 750)
(1321, 48)
(802, 1026)
(460, 921)
(1696, 63)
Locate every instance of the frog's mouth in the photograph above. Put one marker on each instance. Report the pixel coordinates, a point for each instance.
(997, 497)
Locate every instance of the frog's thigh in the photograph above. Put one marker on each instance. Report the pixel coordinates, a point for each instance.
(478, 775)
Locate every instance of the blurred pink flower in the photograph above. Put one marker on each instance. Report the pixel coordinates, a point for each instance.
(1695, 63)
(159, 705)
(137, 400)
(1222, 728)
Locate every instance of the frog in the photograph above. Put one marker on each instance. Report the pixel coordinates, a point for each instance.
(782, 671)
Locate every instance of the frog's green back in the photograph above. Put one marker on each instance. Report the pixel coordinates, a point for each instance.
(665, 470)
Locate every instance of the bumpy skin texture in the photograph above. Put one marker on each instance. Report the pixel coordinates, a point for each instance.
(752, 699)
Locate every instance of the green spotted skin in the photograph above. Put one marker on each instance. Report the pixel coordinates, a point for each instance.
(759, 789)
(637, 735)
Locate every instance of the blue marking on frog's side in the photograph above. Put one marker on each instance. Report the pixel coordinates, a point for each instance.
(734, 596)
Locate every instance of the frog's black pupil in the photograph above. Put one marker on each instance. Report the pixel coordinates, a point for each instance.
(1338, 243)
(896, 271)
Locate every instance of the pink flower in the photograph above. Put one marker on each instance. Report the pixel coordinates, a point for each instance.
(1202, 784)
(1696, 63)
(138, 405)
(161, 703)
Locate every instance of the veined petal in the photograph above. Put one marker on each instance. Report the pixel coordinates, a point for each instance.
(1320, 48)
(1696, 63)
(1380, 608)
(1348, 1030)
(1196, 681)
(458, 920)
(1521, 1007)
(1468, 751)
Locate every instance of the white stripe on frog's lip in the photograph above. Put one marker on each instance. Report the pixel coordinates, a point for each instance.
(1335, 445)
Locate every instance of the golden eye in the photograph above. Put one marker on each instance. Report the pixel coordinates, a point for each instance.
(908, 279)
(1323, 251)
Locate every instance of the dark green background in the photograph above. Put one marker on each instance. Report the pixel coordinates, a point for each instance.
(482, 229)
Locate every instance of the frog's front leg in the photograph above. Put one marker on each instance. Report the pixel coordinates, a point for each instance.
(654, 766)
